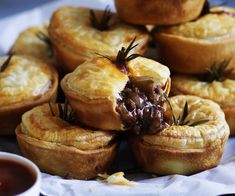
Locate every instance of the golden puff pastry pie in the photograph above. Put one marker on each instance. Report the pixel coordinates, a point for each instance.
(194, 142)
(79, 34)
(118, 93)
(220, 91)
(24, 83)
(194, 46)
(34, 41)
(157, 12)
(49, 137)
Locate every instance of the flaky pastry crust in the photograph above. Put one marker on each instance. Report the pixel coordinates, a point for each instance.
(93, 88)
(158, 13)
(28, 43)
(194, 46)
(25, 83)
(75, 40)
(222, 92)
(184, 149)
(61, 148)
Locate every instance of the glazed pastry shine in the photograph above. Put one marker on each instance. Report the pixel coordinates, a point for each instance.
(222, 92)
(28, 43)
(94, 88)
(72, 25)
(39, 123)
(192, 137)
(23, 79)
(210, 26)
(99, 78)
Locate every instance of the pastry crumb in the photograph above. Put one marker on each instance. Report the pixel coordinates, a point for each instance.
(117, 178)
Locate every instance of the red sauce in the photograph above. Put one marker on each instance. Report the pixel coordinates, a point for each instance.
(15, 178)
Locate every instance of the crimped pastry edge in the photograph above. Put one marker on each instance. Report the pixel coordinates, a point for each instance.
(66, 161)
(10, 115)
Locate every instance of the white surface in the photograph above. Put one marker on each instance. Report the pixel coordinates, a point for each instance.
(216, 181)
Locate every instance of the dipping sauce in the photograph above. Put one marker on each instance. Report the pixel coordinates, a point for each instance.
(15, 178)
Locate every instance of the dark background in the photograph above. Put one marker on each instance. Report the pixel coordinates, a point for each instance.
(9, 7)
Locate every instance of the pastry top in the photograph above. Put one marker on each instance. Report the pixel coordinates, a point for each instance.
(100, 78)
(28, 43)
(23, 79)
(187, 137)
(41, 124)
(219, 22)
(156, 13)
(222, 92)
(72, 25)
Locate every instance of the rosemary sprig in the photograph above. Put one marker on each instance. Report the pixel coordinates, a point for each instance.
(44, 38)
(181, 120)
(122, 57)
(218, 72)
(103, 23)
(6, 63)
(64, 113)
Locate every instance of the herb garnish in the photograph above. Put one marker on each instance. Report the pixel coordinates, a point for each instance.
(181, 120)
(102, 24)
(122, 57)
(64, 112)
(43, 37)
(218, 72)
(6, 63)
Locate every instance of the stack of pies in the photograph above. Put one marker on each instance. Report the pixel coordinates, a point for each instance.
(110, 87)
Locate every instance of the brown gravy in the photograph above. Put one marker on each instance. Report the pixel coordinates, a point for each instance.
(15, 178)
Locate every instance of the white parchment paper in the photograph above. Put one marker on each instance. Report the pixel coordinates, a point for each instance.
(219, 180)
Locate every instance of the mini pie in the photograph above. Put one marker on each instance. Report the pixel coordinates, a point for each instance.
(75, 39)
(25, 83)
(105, 97)
(157, 12)
(29, 43)
(194, 46)
(222, 92)
(61, 148)
(184, 149)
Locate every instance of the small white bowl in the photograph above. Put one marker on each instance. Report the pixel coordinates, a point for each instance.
(34, 190)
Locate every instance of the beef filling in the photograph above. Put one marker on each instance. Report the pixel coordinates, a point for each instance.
(141, 106)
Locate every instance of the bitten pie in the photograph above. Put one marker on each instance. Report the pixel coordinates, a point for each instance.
(118, 93)
(220, 90)
(78, 34)
(157, 12)
(194, 46)
(48, 137)
(24, 83)
(195, 142)
(34, 41)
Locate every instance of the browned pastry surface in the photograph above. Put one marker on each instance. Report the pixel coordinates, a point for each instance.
(76, 40)
(95, 87)
(194, 46)
(61, 148)
(158, 12)
(222, 92)
(184, 149)
(34, 41)
(25, 83)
